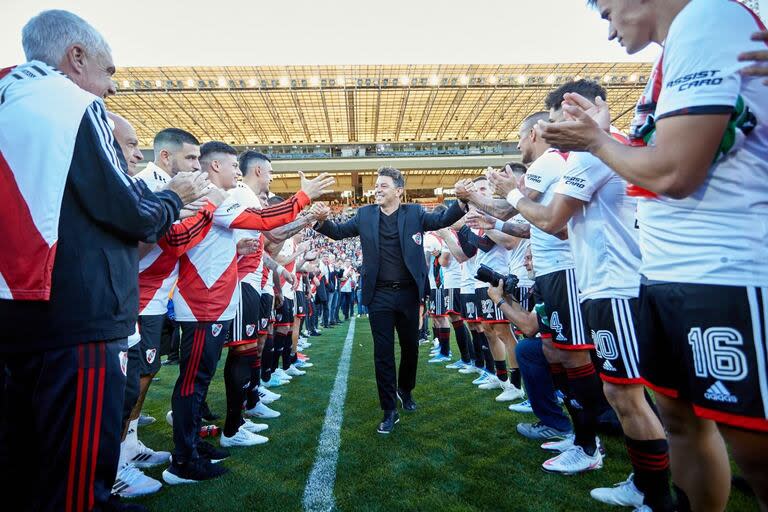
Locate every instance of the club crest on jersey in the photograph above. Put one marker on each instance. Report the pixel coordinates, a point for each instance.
(123, 357)
(249, 329)
(216, 329)
(151, 353)
(264, 322)
(417, 238)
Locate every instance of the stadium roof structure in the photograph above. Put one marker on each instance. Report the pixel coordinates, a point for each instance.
(248, 106)
(437, 123)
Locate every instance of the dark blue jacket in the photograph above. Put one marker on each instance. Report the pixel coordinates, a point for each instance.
(413, 221)
(94, 289)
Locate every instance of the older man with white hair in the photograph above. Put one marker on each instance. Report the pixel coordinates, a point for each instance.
(72, 219)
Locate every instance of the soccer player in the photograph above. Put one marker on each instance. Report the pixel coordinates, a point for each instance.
(591, 201)
(176, 151)
(483, 360)
(205, 302)
(565, 343)
(453, 272)
(698, 160)
(492, 248)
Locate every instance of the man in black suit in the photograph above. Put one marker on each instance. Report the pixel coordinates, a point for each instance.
(393, 272)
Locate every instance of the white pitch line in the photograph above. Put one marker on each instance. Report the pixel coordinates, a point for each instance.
(318, 494)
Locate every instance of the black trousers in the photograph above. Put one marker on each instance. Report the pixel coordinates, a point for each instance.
(323, 313)
(132, 381)
(392, 310)
(200, 350)
(61, 432)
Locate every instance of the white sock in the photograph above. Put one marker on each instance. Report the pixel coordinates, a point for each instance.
(123, 459)
(132, 438)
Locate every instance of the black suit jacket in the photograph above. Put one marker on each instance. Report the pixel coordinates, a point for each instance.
(413, 220)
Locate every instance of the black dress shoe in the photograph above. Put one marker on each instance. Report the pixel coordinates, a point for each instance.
(388, 423)
(406, 400)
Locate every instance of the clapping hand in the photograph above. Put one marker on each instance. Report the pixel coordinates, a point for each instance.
(213, 195)
(318, 186)
(463, 189)
(759, 66)
(479, 220)
(189, 186)
(246, 246)
(503, 181)
(598, 111)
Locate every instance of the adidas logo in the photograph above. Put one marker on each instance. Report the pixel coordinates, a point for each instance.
(607, 366)
(560, 337)
(717, 392)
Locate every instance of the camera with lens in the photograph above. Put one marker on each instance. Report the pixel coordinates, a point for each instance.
(487, 275)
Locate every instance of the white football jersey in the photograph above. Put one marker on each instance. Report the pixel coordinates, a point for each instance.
(431, 243)
(288, 248)
(497, 258)
(253, 262)
(468, 270)
(452, 273)
(158, 270)
(602, 233)
(517, 255)
(550, 254)
(719, 234)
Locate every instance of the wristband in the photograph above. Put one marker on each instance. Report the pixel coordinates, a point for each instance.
(514, 197)
(502, 301)
(498, 225)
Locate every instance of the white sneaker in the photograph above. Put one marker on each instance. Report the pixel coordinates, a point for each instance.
(295, 372)
(493, 382)
(470, 369)
(252, 427)
(524, 407)
(283, 374)
(242, 438)
(262, 411)
(567, 442)
(146, 457)
(573, 461)
(130, 482)
(271, 396)
(169, 418)
(510, 392)
(482, 379)
(623, 494)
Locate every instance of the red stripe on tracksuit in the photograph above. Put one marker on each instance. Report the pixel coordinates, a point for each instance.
(86, 438)
(97, 421)
(86, 427)
(194, 362)
(75, 433)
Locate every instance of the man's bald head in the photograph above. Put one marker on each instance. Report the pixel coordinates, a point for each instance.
(128, 140)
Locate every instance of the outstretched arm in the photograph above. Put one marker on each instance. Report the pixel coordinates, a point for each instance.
(432, 221)
(339, 231)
